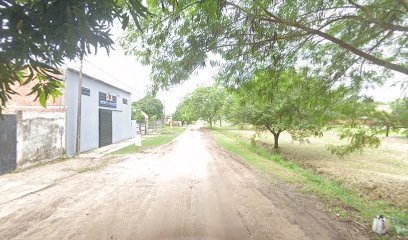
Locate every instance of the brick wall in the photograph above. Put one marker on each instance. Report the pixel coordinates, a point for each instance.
(25, 102)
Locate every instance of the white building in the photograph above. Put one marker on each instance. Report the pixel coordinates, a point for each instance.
(105, 113)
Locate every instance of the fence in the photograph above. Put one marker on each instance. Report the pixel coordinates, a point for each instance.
(152, 126)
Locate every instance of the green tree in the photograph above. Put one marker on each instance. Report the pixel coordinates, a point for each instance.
(204, 102)
(385, 119)
(400, 109)
(358, 138)
(338, 39)
(185, 111)
(286, 101)
(151, 106)
(138, 117)
(230, 107)
(362, 121)
(208, 102)
(400, 112)
(355, 110)
(36, 36)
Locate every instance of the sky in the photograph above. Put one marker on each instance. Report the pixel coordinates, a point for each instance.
(388, 92)
(126, 72)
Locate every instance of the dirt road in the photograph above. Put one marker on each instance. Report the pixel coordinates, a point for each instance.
(188, 189)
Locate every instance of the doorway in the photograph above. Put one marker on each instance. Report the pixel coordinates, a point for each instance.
(105, 127)
(8, 143)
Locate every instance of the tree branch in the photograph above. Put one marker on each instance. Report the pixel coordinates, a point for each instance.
(404, 4)
(339, 42)
(374, 20)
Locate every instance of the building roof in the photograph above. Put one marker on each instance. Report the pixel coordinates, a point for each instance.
(111, 82)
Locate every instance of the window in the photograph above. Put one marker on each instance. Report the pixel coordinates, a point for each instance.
(86, 91)
(124, 101)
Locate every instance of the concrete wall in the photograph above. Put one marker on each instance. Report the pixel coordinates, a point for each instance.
(121, 116)
(40, 137)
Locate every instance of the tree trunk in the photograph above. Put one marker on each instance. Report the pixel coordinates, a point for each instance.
(210, 123)
(387, 131)
(276, 140)
(145, 128)
(220, 122)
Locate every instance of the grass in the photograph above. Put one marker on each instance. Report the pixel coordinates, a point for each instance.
(380, 174)
(345, 202)
(165, 135)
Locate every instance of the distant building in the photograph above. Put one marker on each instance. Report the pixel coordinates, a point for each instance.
(31, 133)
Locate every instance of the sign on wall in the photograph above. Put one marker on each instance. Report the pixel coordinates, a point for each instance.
(107, 100)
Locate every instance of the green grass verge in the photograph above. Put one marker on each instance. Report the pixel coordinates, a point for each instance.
(163, 136)
(345, 202)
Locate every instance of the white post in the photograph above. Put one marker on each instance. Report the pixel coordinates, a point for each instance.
(146, 120)
(138, 140)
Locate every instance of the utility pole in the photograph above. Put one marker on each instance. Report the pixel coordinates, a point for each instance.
(78, 128)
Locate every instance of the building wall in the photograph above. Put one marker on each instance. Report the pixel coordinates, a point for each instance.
(121, 116)
(40, 136)
(23, 101)
(120, 133)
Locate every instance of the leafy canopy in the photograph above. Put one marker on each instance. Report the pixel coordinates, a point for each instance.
(185, 111)
(150, 105)
(36, 36)
(204, 102)
(338, 40)
(287, 101)
(400, 111)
